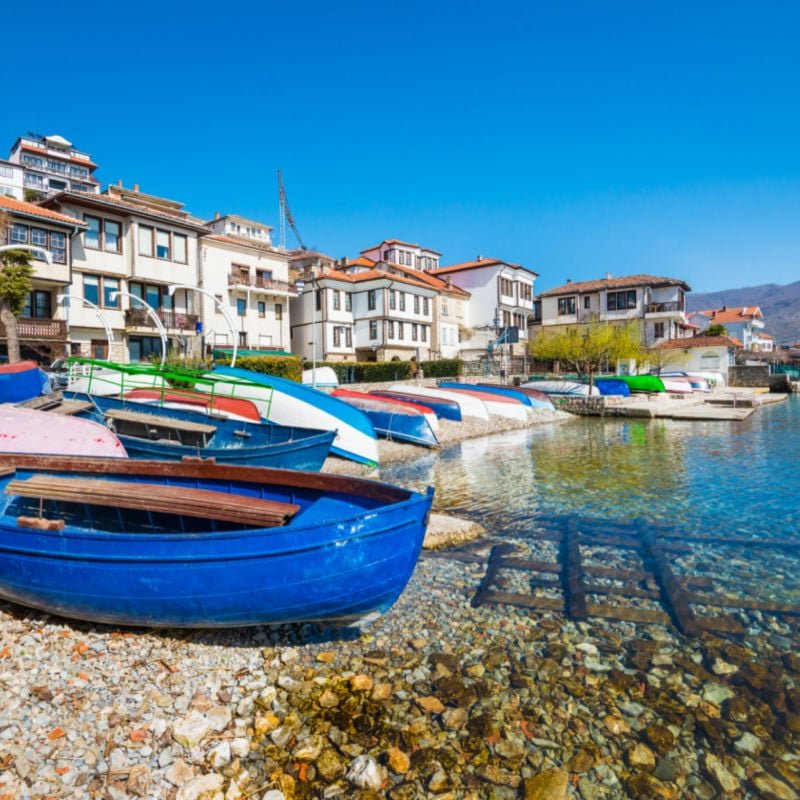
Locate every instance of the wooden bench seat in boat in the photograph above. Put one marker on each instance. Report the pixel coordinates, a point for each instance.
(157, 498)
(153, 426)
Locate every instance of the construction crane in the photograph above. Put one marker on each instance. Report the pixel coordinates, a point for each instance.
(286, 216)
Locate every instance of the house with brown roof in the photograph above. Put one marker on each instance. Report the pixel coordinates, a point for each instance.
(500, 303)
(657, 303)
(700, 353)
(42, 326)
(745, 323)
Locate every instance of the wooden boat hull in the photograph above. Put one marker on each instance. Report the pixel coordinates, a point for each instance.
(234, 442)
(25, 430)
(470, 406)
(393, 420)
(496, 405)
(21, 381)
(444, 409)
(349, 551)
(535, 399)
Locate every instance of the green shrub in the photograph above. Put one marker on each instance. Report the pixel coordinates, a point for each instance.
(368, 371)
(288, 367)
(443, 368)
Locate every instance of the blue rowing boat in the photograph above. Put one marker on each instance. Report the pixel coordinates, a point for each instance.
(444, 409)
(199, 545)
(502, 391)
(157, 432)
(612, 386)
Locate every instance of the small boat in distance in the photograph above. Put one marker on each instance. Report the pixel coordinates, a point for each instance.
(443, 408)
(612, 386)
(499, 405)
(394, 419)
(469, 406)
(643, 383)
(537, 399)
(565, 387)
(200, 545)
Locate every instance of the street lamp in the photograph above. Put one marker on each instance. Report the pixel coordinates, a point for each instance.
(218, 303)
(152, 312)
(103, 321)
(48, 256)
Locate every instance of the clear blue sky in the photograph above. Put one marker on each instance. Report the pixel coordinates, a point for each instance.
(574, 137)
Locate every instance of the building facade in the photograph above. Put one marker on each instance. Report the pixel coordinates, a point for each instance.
(42, 325)
(701, 353)
(51, 164)
(658, 304)
(11, 180)
(745, 323)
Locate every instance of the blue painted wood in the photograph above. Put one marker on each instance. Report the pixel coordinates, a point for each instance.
(444, 409)
(349, 551)
(234, 441)
(611, 386)
(391, 421)
(531, 402)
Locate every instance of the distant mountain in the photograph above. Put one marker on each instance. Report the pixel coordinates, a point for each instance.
(780, 306)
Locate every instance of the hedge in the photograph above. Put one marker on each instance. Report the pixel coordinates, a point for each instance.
(368, 371)
(288, 367)
(443, 368)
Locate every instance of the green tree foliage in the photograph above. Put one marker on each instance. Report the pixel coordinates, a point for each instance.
(589, 348)
(368, 371)
(16, 272)
(717, 329)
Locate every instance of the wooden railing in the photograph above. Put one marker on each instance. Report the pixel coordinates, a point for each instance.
(139, 318)
(28, 328)
(240, 279)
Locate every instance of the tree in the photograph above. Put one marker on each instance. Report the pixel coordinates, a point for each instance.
(717, 329)
(590, 347)
(15, 285)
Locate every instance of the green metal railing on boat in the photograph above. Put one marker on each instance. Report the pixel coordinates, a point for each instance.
(170, 380)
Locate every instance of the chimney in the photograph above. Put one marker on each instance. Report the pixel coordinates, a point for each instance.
(479, 258)
(608, 276)
(569, 281)
(135, 187)
(216, 215)
(724, 308)
(119, 183)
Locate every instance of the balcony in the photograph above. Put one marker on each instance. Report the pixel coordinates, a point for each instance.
(675, 307)
(36, 330)
(172, 320)
(267, 285)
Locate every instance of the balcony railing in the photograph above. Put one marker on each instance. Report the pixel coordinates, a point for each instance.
(658, 308)
(240, 279)
(36, 329)
(139, 318)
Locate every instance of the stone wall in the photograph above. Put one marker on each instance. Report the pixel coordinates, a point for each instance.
(752, 376)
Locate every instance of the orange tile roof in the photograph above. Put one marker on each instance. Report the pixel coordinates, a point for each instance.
(627, 281)
(700, 341)
(765, 336)
(14, 206)
(431, 280)
(733, 314)
(478, 264)
(374, 274)
(361, 261)
(219, 237)
(400, 241)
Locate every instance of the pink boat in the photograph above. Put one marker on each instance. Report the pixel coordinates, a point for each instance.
(24, 430)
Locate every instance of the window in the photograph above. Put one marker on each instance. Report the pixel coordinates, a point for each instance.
(91, 238)
(33, 161)
(566, 305)
(58, 247)
(373, 329)
(337, 336)
(506, 287)
(278, 311)
(111, 231)
(416, 304)
(39, 237)
(348, 337)
(57, 166)
(709, 360)
(6, 172)
(372, 299)
(145, 241)
(423, 333)
(242, 339)
(337, 299)
(392, 299)
(658, 330)
(525, 291)
(399, 330)
(390, 329)
(318, 298)
(425, 306)
(99, 348)
(19, 234)
(413, 331)
(179, 249)
(91, 289)
(37, 305)
(241, 306)
(402, 298)
(262, 309)
(348, 302)
(143, 348)
(620, 301)
(110, 285)
(153, 295)
(445, 312)
(162, 244)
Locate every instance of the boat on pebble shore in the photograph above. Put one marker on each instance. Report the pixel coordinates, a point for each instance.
(469, 406)
(563, 387)
(442, 407)
(200, 545)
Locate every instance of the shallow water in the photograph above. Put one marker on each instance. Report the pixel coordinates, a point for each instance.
(729, 478)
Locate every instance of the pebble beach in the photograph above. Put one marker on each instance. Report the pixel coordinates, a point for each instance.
(435, 699)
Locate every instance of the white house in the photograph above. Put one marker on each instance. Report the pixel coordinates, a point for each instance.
(395, 251)
(11, 180)
(745, 323)
(658, 303)
(500, 298)
(42, 327)
(714, 353)
(241, 268)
